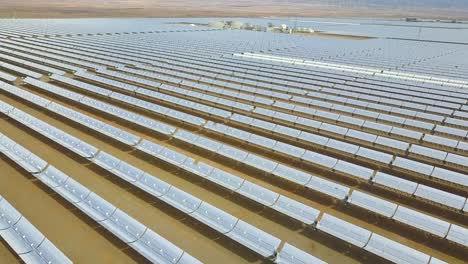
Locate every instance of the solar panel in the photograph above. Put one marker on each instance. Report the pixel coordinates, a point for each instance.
(260, 163)
(20, 70)
(157, 249)
(23, 157)
(261, 141)
(374, 155)
(392, 143)
(440, 197)
(236, 133)
(232, 153)
(149, 147)
(296, 210)
(359, 135)
(225, 179)
(7, 77)
(72, 191)
(394, 251)
(263, 124)
(422, 221)
(451, 131)
(291, 174)
(173, 157)
(96, 207)
(319, 159)
(257, 240)
(328, 188)
(343, 230)
(413, 166)
(292, 255)
(353, 170)
(428, 152)
(106, 161)
(288, 149)
(258, 193)
(8, 215)
(458, 235)
(458, 160)
(208, 144)
(450, 176)
(215, 218)
(334, 129)
(308, 123)
(53, 177)
(406, 133)
(127, 172)
(23, 237)
(372, 203)
(124, 227)
(181, 200)
(153, 185)
(395, 182)
(45, 252)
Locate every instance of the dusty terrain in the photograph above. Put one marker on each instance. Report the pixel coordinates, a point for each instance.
(211, 8)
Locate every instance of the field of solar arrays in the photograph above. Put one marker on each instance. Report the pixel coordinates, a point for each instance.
(149, 142)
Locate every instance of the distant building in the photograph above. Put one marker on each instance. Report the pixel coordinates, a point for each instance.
(216, 24)
(411, 19)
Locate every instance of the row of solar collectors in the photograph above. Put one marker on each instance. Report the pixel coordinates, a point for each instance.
(50, 56)
(375, 58)
(65, 53)
(60, 30)
(136, 235)
(412, 85)
(7, 77)
(399, 111)
(264, 196)
(234, 228)
(29, 64)
(309, 102)
(416, 69)
(458, 159)
(361, 104)
(445, 62)
(74, 53)
(40, 60)
(267, 78)
(381, 88)
(25, 240)
(440, 156)
(361, 71)
(355, 171)
(381, 72)
(452, 122)
(113, 165)
(347, 110)
(100, 40)
(267, 59)
(416, 87)
(431, 64)
(333, 89)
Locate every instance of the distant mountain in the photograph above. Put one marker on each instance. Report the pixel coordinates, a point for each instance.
(385, 3)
